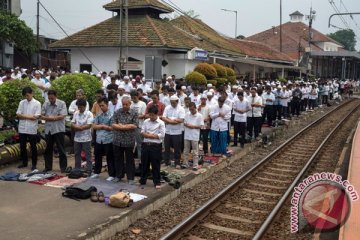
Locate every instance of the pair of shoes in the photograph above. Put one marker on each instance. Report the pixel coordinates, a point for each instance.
(22, 166)
(116, 179)
(34, 170)
(97, 197)
(195, 168)
(93, 176)
(109, 179)
(184, 166)
(178, 167)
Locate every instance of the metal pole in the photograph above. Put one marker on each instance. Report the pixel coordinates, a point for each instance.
(310, 25)
(236, 20)
(121, 35)
(280, 25)
(38, 33)
(126, 36)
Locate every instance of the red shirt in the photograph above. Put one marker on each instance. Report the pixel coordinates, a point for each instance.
(160, 106)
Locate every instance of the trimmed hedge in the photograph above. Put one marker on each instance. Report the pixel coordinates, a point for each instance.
(220, 81)
(67, 85)
(11, 95)
(207, 70)
(195, 78)
(220, 70)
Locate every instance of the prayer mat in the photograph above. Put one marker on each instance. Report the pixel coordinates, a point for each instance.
(107, 187)
(65, 181)
(46, 180)
(211, 159)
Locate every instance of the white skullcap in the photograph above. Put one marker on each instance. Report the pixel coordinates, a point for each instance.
(235, 87)
(149, 90)
(169, 78)
(121, 85)
(126, 78)
(203, 96)
(209, 94)
(209, 85)
(183, 87)
(174, 98)
(98, 75)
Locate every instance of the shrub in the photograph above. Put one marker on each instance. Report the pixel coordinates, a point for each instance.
(213, 82)
(231, 76)
(195, 78)
(207, 70)
(282, 80)
(220, 70)
(220, 81)
(11, 95)
(67, 85)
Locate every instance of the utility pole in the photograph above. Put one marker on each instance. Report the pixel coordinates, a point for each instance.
(121, 35)
(127, 36)
(38, 33)
(280, 25)
(234, 11)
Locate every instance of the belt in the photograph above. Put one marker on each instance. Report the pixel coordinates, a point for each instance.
(151, 144)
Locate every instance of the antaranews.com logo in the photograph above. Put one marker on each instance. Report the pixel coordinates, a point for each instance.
(323, 201)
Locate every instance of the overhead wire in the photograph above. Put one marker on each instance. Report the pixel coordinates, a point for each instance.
(57, 23)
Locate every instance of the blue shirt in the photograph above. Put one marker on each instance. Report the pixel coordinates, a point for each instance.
(277, 94)
(104, 136)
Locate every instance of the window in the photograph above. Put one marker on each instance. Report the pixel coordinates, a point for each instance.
(87, 67)
(5, 5)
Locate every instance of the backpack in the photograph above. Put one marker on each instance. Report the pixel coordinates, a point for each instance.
(76, 174)
(78, 193)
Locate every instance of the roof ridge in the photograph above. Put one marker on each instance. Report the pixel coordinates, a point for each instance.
(156, 30)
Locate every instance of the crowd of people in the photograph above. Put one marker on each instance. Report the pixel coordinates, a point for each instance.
(163, 122)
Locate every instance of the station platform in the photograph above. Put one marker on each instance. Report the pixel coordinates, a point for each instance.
(31, 211)
(350, 230)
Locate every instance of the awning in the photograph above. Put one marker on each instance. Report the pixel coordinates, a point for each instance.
(261, 64)
(335, 54)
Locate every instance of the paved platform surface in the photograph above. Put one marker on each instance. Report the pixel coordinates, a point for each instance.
(351, 230)
(31, 211)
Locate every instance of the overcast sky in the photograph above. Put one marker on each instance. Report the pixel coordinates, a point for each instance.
(253, 15)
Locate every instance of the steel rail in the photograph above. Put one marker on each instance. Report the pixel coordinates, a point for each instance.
(188, 223)
(266, 224)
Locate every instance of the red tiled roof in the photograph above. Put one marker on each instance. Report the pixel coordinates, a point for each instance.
(292, 33)
(245, 47)
(137, 4)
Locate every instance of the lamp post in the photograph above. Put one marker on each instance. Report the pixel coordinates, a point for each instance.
(234, 11)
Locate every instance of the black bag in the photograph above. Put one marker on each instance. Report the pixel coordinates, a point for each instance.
(76, 174)
(78, 193)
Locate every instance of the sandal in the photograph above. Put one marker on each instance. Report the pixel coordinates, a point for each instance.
(94, 196)
(101, 196)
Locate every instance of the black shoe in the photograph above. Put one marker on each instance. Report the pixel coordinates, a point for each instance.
(22, 166)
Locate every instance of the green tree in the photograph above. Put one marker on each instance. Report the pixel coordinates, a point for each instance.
(346, 37)
(14, 30)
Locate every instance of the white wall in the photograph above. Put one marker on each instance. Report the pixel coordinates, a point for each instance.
(106, 59)
(16, 7)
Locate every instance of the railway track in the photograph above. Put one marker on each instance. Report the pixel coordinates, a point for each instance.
(246, 208)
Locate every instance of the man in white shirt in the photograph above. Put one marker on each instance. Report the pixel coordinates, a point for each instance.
(28, 113)
(284, 102)
(254, 115)
(81, 124)
(241, 107)
(220, 115)
(204, 110)
(140, 107)
(153, 132)
(268, 99)
(173, 117)
(127, 84)
(194, 96)
(211, 102)
(39, 82)
(193, 122)
(73, 107)
(16, 74)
